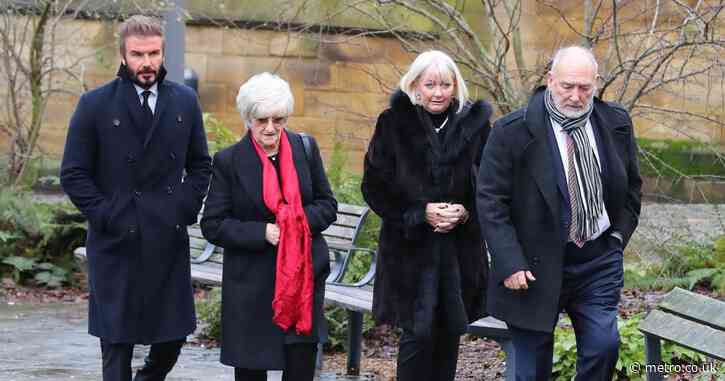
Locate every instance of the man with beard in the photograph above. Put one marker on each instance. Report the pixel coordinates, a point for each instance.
(136, 165)
(559, 197)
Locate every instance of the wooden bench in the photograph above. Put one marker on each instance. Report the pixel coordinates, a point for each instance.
(356, 297)
(687, 319)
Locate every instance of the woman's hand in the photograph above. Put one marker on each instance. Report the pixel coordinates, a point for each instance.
(271, 234)
(443, 217)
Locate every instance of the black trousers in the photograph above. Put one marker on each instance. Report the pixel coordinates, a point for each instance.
(158, 363)
(299, 365)
(590, 295)
(432, 359)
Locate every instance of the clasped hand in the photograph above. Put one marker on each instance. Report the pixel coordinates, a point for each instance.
(444, 216)
(271, 234)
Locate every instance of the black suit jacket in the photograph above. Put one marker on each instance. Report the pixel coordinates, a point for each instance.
(520, 205)
(138, 191)
(235, 218)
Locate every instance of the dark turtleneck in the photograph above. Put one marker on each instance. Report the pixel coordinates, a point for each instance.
(437, 121)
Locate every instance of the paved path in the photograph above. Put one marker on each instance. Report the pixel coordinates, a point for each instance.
(51, 343)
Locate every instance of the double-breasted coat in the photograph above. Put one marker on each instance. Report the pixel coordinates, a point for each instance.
(139, 186)
(523, 204)
(235, 218)
(406, 167)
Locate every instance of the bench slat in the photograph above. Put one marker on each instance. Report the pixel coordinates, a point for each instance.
(352, 209)
(689, 334)
(347, 220)
(695, 307)
(342, 296)
(489, 327)
(341, 232)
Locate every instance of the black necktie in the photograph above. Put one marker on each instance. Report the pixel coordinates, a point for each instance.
(148, 114)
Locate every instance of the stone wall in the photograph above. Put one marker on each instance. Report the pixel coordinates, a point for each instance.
(340, 83)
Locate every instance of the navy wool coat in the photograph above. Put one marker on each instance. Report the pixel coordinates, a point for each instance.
(235, 218)
(139, 186)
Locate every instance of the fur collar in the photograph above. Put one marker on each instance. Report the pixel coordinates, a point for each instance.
(473, 117)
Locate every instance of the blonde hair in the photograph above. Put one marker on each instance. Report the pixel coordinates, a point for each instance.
(264, 95)
(443, 64)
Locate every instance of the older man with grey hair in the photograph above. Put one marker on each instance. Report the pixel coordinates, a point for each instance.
(559, 197)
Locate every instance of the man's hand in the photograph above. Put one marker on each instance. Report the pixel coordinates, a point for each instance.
(443, 217)
(517, 281)
(271, 234)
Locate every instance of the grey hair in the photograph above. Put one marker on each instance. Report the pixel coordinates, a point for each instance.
(264, 95)
(139, 25)
(563, 52)
(444, 65)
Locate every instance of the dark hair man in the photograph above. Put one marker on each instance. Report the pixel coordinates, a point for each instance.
(136, 165)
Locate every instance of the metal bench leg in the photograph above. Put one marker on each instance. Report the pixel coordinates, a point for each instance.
(653, 352)
(318, 359)
(508, 348)
(354, 336)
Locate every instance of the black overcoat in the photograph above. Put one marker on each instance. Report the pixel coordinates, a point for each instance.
(521, 208)
(235, 218)
(139, 187)
(406, 167)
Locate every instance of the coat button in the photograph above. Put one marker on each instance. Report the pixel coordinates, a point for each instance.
(132, 229)
(130, 158)
(116, 123)
(169, 190)
(179, 119)
(172, 156)
(137, 193)
(178, 227)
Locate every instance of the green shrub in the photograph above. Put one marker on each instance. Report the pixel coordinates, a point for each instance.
(685, 265)
(209, 311)
(631, 351)
(672, 158)
(37, 239)
(218, 136)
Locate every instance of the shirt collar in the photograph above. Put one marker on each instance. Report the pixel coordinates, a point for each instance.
(153, 89)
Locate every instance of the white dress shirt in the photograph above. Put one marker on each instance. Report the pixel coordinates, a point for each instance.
(152, 98)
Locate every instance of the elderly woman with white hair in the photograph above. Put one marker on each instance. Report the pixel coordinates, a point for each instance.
(268, 202)
(419, 178)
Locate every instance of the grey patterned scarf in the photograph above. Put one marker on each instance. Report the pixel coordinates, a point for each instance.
(588, 171)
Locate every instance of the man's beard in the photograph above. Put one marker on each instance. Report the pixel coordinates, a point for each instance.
(135, 77)
(573, 114)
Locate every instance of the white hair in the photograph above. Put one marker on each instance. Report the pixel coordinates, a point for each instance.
(563, 52)
(264, 95)
(444, 65)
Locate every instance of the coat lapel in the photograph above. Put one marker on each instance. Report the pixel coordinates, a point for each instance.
(133, 105)
(538, 155)
(249, 173)
(161, 102)
(301, 163)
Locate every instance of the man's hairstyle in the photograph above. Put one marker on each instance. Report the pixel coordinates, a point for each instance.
(264, 95)
(139, 25)
(444, 65)
(563, 52)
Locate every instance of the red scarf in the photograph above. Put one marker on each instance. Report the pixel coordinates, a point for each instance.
(294, 283)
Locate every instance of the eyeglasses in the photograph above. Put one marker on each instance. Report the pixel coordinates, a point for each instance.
(277, 121)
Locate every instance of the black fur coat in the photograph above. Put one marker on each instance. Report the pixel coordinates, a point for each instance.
(406, 167)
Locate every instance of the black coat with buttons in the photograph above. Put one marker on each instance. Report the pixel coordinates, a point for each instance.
(139, 186)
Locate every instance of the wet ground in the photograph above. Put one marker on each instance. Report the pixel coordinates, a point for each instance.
(50, 342)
